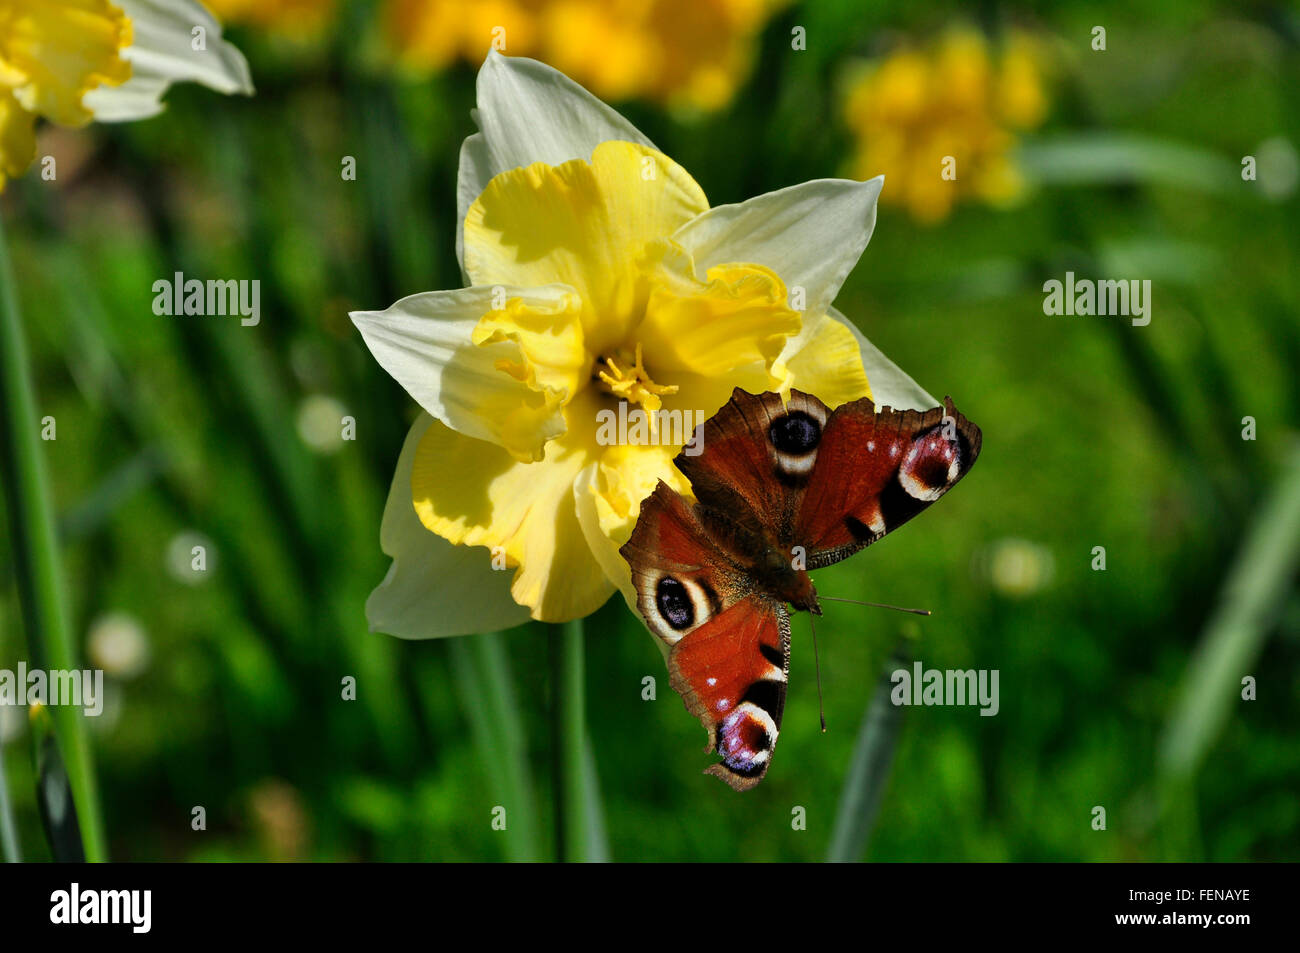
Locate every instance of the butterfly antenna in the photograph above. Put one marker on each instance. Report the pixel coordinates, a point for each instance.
(821, 708)
(875, 605)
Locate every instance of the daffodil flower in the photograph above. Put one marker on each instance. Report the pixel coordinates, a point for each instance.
(597, 275)
(73, 61)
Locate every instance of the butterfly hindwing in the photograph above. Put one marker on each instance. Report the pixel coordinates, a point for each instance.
(731, 672)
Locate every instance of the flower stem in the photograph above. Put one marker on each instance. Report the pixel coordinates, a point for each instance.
(865, 785)
(568, 701)
(36, 562)
(491, 652)
(1253, 598)
(10, 852)
(482, 673)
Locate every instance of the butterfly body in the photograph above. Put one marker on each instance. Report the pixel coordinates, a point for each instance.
(764, 560)
(781, 487)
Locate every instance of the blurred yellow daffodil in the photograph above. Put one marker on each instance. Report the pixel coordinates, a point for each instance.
(684, 52)
(941, 122)
(283, 16)
(599, 283)
(71, 61)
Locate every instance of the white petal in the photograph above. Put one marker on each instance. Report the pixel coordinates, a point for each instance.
(810, 234)
(890, 386)
(433, 588)
(425, 341)
(161, 54)
(138, 98)
(529, 112)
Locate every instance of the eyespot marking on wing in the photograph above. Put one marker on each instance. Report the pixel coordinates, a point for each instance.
(674, 603)
(932, 464)
(675, 606)
(746, 738)
(794, 435)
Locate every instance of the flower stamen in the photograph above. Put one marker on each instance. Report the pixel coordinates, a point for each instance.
(632, 382)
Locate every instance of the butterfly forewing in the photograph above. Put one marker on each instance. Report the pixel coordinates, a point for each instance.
(876, 470)
(758, 455)
(680, 576)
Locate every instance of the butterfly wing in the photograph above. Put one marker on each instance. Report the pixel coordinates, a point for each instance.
(776, 474)
(875, 470)
(682, 579)
(757, 457)
(729, 647)
(731, 672)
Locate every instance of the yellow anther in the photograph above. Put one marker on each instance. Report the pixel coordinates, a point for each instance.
(633, 384)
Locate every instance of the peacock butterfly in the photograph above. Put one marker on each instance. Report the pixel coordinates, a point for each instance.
(776, 479)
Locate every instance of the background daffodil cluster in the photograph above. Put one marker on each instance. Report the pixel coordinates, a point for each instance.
(273, 450)
(958, 96)
(302, 17)
(685, 52)
(91, 35)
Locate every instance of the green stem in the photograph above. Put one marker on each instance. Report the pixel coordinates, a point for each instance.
(568, 700)
(1253, 597)
(9, 849)
(482, 673)
(491, 652)
(36, 562)
(868, 773)
(597, 839)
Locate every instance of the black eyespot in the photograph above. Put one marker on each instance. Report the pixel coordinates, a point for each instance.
(795, 433)
(674, 603)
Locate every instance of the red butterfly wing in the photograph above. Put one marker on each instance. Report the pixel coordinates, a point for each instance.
(731, 673)
(876, 470)
(755, 461)
(681, 578)
(729, 646)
